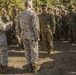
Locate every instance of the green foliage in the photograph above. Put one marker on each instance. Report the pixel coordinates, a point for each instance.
(12, 3)
(37, 3)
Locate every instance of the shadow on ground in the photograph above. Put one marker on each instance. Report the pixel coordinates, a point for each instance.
(61, 62)
(64, 59)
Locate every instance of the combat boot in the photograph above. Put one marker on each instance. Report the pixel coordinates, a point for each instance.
(36, 68)
(49, 52)
(30, 68)
(6, 68)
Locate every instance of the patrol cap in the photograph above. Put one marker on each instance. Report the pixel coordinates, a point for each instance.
(44, 6)
(49, 8)
(28, 2)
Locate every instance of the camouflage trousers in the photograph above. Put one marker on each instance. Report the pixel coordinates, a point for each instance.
(72, 32)
(31, 51)
(48, 40)
(18, 39)
(3, 53)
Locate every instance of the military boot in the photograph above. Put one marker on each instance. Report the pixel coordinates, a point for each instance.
(49, 52)
(36, 68)
(30, 68)
(6, 68)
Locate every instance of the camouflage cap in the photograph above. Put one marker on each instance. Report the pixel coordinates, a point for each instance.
(49, 8)
(28, 2)
(44, 6)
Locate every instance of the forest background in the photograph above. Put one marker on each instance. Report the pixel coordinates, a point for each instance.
(12, 4)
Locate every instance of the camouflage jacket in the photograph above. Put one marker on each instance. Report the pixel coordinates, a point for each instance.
(27, 25)
(3, 27)
(47, 22)
(72, 18)
(5, 18)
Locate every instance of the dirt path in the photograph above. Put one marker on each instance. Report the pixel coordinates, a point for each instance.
(61, 62)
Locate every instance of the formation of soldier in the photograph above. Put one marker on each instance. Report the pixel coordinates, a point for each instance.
(31, 26)
(65, 23)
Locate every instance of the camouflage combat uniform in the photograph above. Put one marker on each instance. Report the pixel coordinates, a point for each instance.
(8, 33)
(65, 26)
(28, 29)
(72, 26)
(15, 35)
(47, 28)
(58, 24)
(3, 43)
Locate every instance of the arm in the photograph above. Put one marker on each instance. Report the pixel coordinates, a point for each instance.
(18, 29)
(4, 26)
(53, 23)
(39, 16)
(35, 24)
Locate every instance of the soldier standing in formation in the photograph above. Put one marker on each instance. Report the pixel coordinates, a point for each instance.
(15, 36)
(64, 24)
(28, 29)
(72, 24)
(5, 18)
(47, 28)
(3, 47)
(58, 24)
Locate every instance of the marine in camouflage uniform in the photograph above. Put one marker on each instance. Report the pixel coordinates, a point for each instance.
(72, 24)
(28, 29)
(5, 18)
(47, 28)
(58, 24)
(3, 47)
(65, 24)
(15, 35)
